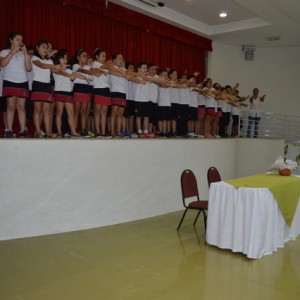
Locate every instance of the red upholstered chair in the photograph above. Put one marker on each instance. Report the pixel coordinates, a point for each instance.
(213, 175)
(189, 189)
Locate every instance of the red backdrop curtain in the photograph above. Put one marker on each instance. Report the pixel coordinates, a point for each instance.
(75, 24)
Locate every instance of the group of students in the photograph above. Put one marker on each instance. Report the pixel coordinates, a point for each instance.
(108, 98)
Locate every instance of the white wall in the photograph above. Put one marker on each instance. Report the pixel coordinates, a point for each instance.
(275, 71)
(52, 186)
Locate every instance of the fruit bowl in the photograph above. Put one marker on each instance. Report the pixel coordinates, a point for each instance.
(285, 172)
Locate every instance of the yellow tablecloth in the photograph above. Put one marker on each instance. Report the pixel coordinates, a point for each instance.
(285, 189)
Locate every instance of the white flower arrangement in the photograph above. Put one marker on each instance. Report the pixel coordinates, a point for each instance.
(282, 163)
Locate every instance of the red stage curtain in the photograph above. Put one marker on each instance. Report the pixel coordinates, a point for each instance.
(75, 24)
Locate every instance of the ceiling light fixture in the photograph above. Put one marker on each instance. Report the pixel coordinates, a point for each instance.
(223, 14)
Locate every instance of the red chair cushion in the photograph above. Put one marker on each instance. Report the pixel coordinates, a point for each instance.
(198, 205)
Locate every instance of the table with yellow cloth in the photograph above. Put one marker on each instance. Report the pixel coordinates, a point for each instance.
(254, 215)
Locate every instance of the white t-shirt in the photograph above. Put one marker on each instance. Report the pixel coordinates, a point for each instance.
(224, 106)
(193, 98)
(255, 107)
(79, 80)
(184, 96)
(118, 84)
(15, 70)
(39, 74)
(153, 90)
(141, 92)
(130, 90)
(175, 95)
(101, 81)
(210, 101)
(201, 100)
(235, 110)
(63, 83)
(164, 96)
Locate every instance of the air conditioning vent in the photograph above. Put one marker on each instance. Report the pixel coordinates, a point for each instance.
(273, 38)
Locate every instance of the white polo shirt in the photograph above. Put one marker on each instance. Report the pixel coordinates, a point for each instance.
(164, 96)
(63, 83)
(101, 81)
(79, 80)
(15, 70)
(39, 74)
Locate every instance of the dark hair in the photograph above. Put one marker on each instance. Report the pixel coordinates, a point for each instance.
(60, 54)
(163, 71)
(98, 51)
(191, 76)
(217, 86)
(79, 52)
(227, 86)
(30, 48)
(37, 45)
(206, 81)
(74, 60)
(151, 65)
(11, 36)
(140, 64)
(171, 72)
(128, 63)
(115, 56)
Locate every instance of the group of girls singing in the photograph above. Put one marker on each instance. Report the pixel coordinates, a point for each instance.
(104, 98)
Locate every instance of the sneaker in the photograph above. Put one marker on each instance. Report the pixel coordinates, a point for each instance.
(91, 134)
(217, 136)
(133, 135)
(24, 134)
(126, 133)
(107, 136)
(150, 135)
(84, 133)
(8, 134)
(141, 135)
(67, 135)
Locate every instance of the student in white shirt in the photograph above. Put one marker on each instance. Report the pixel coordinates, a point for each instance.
(255, 112)
(15, 62)
(141, 102)
(82, 90)
(118, 89)
(63, 93)
(152, 96)
(102, 97)
(193, 107)
(41, 87)
(129, 109)
(175, 101)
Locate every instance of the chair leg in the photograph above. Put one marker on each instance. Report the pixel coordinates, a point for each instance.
(182, 218)
(197, 217)
(205, 219)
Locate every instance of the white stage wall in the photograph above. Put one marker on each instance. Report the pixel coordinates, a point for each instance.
(53, 186)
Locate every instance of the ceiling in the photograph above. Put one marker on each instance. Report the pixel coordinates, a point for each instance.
(249, 22)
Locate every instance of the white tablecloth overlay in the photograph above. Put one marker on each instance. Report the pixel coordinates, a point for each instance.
(247, 220)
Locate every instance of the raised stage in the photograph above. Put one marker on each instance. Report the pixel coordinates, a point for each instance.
(53, 186)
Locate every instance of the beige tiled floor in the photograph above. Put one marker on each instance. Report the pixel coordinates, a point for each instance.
(143, 260)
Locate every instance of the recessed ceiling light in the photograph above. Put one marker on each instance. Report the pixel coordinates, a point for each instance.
(223, 14)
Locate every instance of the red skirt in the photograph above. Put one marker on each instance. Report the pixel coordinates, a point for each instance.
(13, 89)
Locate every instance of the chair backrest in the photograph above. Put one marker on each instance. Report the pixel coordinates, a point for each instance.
(189, 187)
(213, 175)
